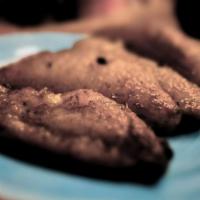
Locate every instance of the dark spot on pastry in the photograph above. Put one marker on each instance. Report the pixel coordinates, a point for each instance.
(7, 85)
(161, 63)
(24, 103)
(49, 64)
(145, 1)
(102, 61)
(28, 111)
(36, 112)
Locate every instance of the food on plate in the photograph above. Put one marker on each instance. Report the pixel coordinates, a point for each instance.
(148, 27)
(160, 96)
(84, 125)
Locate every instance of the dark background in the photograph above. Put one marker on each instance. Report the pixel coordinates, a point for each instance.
(188, 12)
(33, 12)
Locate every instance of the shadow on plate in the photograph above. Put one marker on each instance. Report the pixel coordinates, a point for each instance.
(143, 173)
(188, 125)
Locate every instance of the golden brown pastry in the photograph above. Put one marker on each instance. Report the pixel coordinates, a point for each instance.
(106, 67)
(152, 29)
(84, 125)
(149, 27)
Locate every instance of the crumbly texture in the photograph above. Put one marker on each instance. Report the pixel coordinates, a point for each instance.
(82, 124)
(106, 67)
(149, 27)
(152, 29)
(168, 45)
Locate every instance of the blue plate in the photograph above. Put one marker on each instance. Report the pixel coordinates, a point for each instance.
(25, 182)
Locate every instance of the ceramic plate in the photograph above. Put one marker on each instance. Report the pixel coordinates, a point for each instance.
(23, 181)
